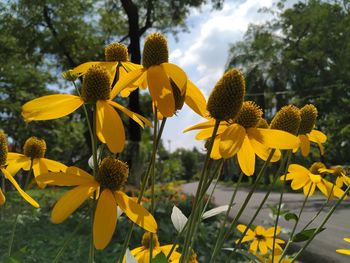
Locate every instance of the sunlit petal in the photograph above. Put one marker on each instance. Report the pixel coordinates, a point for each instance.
(208, 132)
(39, 167)
(105, 220)
(263, 152)
(275, 139)
(137, 213)
(22, 162)
(177, 75)
(231, 140)
(54, 166)
(202, 125)
(109, 127)
(195, 99)
(317, 136)
(83, 68)
(246, 157)
(126, 81)
(70, 201)
(50, 107)
(63, 179)
(304, 145)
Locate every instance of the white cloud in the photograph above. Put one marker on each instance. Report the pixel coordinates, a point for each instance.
(203, 54)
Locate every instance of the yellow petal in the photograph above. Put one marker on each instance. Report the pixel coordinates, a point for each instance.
(259, 230)
(309, 190)
(63, 179)
(70, 201)
(105, 220)
(137, 213)
(161, 91)
(275, 139)
(54, 166)
(299, 182)
(254, 246)
(215, 152)
(12, 156)
(166, 250)
(270, 232)
(81, 69)
(128, 79)
(39, 167)
(263, 247)
(343, 251)
(177, 75)
(202, 125)
(2, 198)
(231, 140)
(324, 190)
(208, 132)
(347, 239)
(109, 127)
(317, 136)
(264, 152)
(50, 107)
(298, 169)
(26, 197)
(246, 157)
(77, 171)
(195, 99)
(242, 228)
(14, 165)
(136, 117)
(304, 145)
(129, 66)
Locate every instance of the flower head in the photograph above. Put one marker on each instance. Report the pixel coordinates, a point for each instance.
(96, 85)
(226, 99)
(287, 119)
(116, 52)
(309, 179)
(34, 148)
(112, 175)
(3, 161)
(308, 115)
(261, 239)
(155, 50)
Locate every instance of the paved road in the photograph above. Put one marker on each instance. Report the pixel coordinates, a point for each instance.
(322, 249)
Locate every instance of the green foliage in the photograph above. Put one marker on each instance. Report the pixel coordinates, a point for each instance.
(302, 56)
(305, 234)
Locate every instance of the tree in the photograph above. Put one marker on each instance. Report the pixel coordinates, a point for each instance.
(302, 56)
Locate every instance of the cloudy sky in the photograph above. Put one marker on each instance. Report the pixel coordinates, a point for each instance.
(203, 54)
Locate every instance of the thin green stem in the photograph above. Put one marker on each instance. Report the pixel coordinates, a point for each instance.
(329, 214)
(15, 222)
(143, 188)
(203, 178)
(245, 203)
(289, 155)
(291, 236)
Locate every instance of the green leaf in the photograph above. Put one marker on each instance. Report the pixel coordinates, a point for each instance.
(306, 234)
(160, 258)
(11, 260)
(291, 216)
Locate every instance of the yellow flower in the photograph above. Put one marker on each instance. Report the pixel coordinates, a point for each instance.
(167, 83)
(142, 254)
(307, 132)
(344, 251)
(8, 176)
(112, 175)
(309, 179)
(192, 259)
(117, 64)
(244, 139)
(96, 90)
(34, 151)
(261, 238)
(340, 174)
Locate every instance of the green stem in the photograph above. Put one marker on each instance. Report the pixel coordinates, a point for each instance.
(291, 236)
(235, 220)
(143, 188)
(329, 214)
(289, 154)
(203, 178)
(15, 222)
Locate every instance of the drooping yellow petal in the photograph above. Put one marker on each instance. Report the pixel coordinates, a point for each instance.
(54, 166)
(304, 145)
(82, 68)
(231, 140)
(2, 197)
(202, 125)
(161, 91)
(109, 127)
(263, 152)
(215, 151)
(129, 66)
(79, 172)
(128, 79)
(137, 250)
(254, 246)
(299, 182)
(324, 190)
(137, 213)
(39, 167)
(51, 107)
(262, 247)
(105, 220)
(270, 231)
(166, 250)
(177, 75)
(195, 99)
(317, 136)
(309, 188)
(136, 117)
(246, 157)
(333, 189)
(70, 201)
(208, 132)
(63, 179)
(12, 156)
(275, 139)
(26, 197)
(14, 165)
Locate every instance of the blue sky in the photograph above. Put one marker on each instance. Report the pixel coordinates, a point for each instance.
(203, 54)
